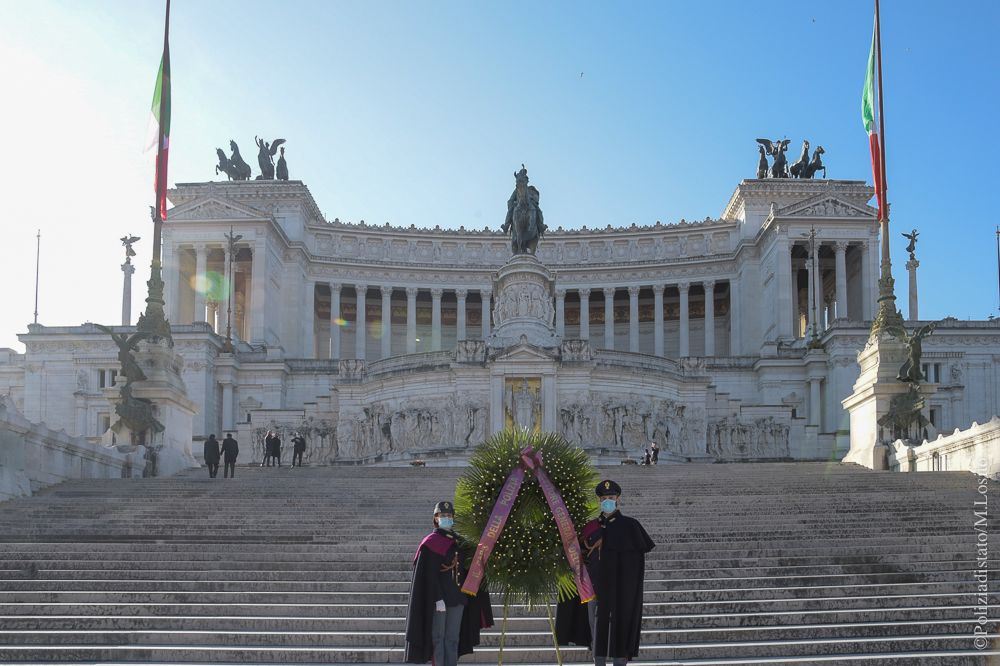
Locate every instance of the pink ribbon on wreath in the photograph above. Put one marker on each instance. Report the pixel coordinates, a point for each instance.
(531, 460)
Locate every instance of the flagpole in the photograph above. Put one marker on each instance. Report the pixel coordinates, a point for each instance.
(38, 257)
(153, 320)
(998, 267)
(888, 320)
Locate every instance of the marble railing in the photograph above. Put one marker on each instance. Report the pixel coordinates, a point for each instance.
(975, 449)
(407, 362)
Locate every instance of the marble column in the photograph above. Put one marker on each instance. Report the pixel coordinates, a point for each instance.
(334, 320)
(386, 322)
(814, 402)
(709, 317)
(911, 267)
(436, 319)
(818, 282)
(486, 296)
(783, 272)
(812, 328)
(171, 280)
(411, 320)
(633, 318)
(840, 254)
(227, 407)
(658, 319)
(735, 317)
(199, 282)
(866, 277)
(460, 296)
(308, 319)
(561, 312)
(584, 333)
(797, 265)
(361, 325)
(258, 292)
(609, 317)
(213, 315)
(128, 269)
(683, 288)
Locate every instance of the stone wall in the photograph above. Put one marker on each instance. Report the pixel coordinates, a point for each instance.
(976, 449)
(33, 456)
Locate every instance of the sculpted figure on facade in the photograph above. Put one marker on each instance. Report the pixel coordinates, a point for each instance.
(764, 437)
(522, 404)
(401, 426)
(265, 157)
(629, 423)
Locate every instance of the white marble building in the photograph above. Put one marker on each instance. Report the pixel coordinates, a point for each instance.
(382, 343)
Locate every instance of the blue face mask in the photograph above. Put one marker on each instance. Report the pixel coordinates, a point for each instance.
(608, 505)
(446, 523)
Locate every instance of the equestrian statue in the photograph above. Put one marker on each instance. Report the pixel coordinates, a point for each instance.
(524, 222)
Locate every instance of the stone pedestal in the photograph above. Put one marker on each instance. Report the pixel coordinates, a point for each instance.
(523, 311)
(873, 392)
(163, 387)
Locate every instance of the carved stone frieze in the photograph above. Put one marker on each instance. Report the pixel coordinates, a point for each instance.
(764, 437)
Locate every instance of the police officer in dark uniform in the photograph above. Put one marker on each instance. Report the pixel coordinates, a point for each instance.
(615, 548)
(437, 624)
(299, 448)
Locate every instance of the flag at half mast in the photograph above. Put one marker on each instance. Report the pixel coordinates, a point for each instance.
(868, 106)
(160, 122)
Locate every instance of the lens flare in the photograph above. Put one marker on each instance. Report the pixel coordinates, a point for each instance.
(340, 322)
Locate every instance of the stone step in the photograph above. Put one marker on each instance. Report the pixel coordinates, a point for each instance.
(173, 604)
(257, 653)
(652, 585)
(538, 637)
(278, 621)
(256, 593)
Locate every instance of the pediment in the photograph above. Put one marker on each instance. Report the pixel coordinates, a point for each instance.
(827, 206)
(525, 353)
(213, 209)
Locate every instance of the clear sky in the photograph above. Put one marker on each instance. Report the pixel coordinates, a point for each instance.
(418, 113)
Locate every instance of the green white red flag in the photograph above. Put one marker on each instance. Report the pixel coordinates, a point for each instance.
(160, 121)
(868, 118)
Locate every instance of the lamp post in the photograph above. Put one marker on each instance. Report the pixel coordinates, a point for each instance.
(231, 239)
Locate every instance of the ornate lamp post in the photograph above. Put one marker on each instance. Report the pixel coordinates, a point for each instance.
(231, 239)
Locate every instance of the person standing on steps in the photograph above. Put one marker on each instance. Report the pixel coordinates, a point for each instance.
(230, 450)
(269, 448)
(442, 622)
(298, 449)
(655, 448)
(212, 456)
(276, 451)
(615, 548)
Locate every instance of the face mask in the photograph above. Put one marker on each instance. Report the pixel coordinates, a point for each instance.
(608, 505)
(446, 523)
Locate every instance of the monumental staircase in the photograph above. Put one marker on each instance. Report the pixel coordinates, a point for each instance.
(800, 563)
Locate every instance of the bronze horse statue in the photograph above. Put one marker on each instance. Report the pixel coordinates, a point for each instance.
(816, 164)
(776, 149)
(240, 168)
(798, 169)
(524, 218)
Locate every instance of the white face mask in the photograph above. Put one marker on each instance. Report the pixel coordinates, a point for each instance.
(446, 523)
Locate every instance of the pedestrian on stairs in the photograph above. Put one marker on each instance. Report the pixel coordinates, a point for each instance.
(212, 456)
(442, 622)
(230, 450)
(615, 548)
(299, 448)
(655, 448)
(269, 448)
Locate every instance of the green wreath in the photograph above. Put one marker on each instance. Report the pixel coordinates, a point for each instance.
(528, 564)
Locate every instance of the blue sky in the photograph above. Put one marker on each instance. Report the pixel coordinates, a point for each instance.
(418, 113)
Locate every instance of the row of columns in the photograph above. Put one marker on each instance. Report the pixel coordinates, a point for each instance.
(633, 318)
(360, 338)
(839, 307)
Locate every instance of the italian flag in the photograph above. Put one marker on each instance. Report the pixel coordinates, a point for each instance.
(868, 118)
(160, 122)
